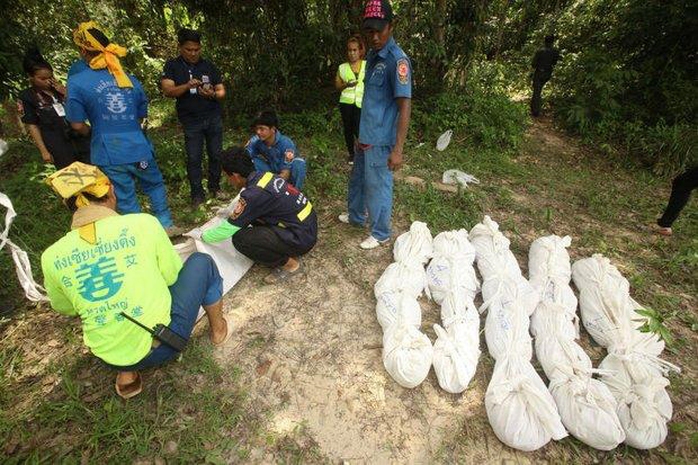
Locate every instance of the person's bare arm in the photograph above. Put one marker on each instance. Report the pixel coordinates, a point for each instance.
(404, 106)
(169, 89)
(81, 128)
(285, 174)
(39, 142)
(218, 92)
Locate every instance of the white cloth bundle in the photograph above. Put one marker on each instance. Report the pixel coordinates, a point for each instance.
(454, 244)
(393, 307)
(519, 407)
(506, 330)
(407, 354)
(407, 277)
(445, 274)
(552, 318)
(558, 355)
(457, 308)
(548, 258)
(644, 407)
(455, 357)
(588, 410)
(415, 245)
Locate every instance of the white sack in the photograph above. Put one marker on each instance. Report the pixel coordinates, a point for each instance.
(408, 277)
(519, 407)
(548, 258)
(455, 358)
(414, 245)
(644, 407)
(588, 411)
(557, 356)
(556, 290)
(506, 291)
(444, 274)
(458, 309)
(394, 307)
(551, 319)
(407, 355)
(507, 331)
(454, 244)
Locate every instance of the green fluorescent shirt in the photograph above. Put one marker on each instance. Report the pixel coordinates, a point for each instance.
(128, 270)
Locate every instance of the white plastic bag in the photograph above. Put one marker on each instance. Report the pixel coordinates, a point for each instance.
(588, 411)
(394, 307)
(443, 140)
(457, 177)
(455, 358)
(407, 355)
(414, 245)
(519, 407)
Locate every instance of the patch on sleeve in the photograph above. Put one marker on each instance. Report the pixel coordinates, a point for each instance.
(239, 208)
(289, 155)
(403, 71)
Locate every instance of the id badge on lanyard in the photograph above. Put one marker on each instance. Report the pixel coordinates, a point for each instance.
(58, 107)
(193, 89)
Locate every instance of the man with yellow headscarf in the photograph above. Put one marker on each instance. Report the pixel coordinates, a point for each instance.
(115, 272)
(114, 103)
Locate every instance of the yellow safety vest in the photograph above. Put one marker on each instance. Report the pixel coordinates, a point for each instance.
(352, 95)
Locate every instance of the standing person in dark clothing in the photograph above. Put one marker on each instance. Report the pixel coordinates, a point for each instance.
(273, 222)
(350, 81)
(681, 189)
(41, 108)
(543, 63)
(197, 85)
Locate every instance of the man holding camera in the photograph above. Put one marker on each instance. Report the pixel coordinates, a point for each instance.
(196, 84)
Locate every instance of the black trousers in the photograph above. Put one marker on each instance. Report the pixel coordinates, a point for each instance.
(351, 117)
(681, 189)
(262, 245)
(536, 100)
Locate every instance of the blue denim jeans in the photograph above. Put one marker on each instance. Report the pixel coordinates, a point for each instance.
(195, 133)
(198, 283)
(371, 188)
(124, 177)
(298, 170)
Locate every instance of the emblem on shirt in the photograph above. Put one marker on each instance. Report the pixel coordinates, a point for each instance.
(289, 155)
(239, 208)
(403, 70)
(116, 102)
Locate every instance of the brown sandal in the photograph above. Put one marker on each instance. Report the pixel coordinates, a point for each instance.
(132, 389)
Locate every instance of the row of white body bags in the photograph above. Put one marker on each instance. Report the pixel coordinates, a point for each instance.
(520, 409)
(453, 284)
(586, 406)
(407, 352)
(632, 370)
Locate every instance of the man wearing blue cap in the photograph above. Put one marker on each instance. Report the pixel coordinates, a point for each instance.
(385, 117)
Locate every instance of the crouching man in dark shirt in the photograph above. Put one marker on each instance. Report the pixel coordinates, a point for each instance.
(273, 223)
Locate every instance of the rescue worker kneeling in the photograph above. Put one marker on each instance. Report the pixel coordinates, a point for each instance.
(273, 223)
(116, 272)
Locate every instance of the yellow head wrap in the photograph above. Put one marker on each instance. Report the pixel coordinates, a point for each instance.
(76, 180)
(108, 56)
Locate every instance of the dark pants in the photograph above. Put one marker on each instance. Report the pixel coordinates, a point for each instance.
(195, 133)
(262, 245)
(681, 189)
(351, 116)
(539, 81)
(198, 283)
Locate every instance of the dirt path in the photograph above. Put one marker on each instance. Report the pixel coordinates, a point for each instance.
(310, 353)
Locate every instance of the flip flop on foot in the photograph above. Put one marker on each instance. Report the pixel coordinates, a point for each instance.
(279, 275)
(130, 389)
(661, 230)
(228, 331)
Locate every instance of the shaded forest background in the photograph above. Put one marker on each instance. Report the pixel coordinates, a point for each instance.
(626, 80)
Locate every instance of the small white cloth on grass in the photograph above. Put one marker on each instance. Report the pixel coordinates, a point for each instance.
(443, 140)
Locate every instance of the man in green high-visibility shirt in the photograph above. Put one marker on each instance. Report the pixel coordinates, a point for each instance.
(111, 265)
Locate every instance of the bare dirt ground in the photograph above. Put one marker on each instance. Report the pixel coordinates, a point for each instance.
(310, 354)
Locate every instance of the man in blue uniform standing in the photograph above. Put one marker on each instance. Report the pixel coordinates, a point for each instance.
(272, 151)
(114, 103)
(385, 118)
(273, 223)
(198, 87)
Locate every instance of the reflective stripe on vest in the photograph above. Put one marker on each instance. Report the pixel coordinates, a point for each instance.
(352, 95)
(264, 180)
(303, 214)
